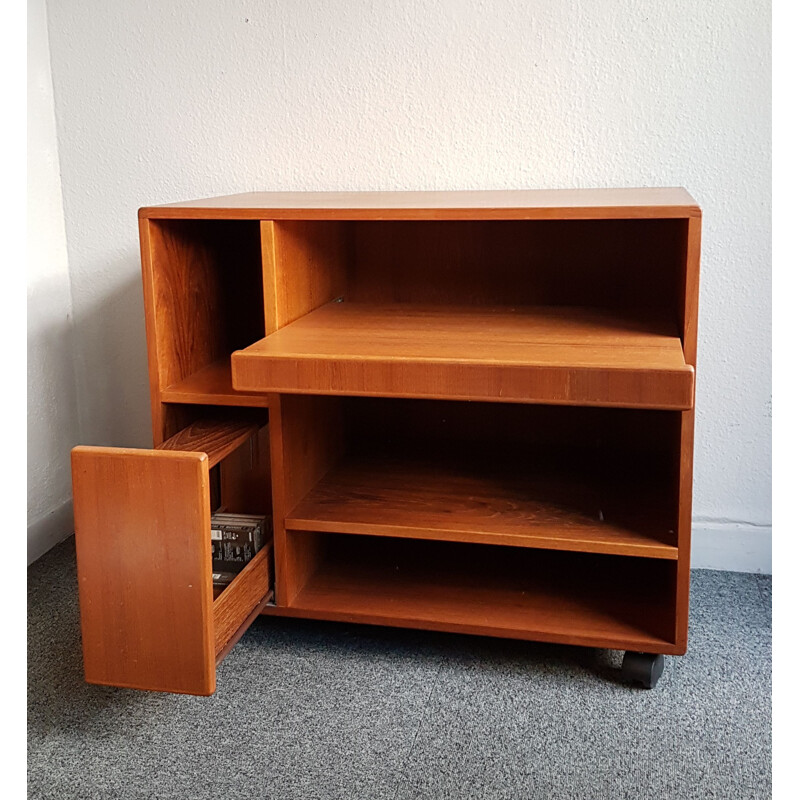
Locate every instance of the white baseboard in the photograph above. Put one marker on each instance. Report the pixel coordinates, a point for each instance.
(732, 546)
(49, 530)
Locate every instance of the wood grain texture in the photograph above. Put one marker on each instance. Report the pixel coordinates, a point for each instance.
(530, 204)
(307, 439)
(310, 439)
(212, 385)
(236, 604)
(527, 502)
(624, 265)
(599, 601)
(691, 295)
(245, 478)
(686, 442)
(304, 268)
(157, 420)
(243, 628)
(178, 416)
(142, 532)
(203, 299)
(550, 355)
(216, 438)
(269, 267)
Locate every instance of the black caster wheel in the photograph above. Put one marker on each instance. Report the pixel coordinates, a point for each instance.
(642, 668)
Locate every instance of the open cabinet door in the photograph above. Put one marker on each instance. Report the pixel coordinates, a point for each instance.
(142, 534)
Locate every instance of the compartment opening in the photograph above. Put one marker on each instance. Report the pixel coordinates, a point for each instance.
(240, 489)
(548, 477)
(579, 312)
(207, 287)
(600, 600)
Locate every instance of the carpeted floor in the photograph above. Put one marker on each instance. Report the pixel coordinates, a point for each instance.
(322, 710)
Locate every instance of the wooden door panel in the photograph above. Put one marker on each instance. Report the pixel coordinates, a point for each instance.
(142, 532)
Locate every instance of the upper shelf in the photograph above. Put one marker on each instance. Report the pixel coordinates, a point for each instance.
(636, 203)
(569, 356)
(535, 500)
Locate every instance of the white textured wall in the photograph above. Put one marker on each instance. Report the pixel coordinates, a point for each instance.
(52, 410)
(168, 101)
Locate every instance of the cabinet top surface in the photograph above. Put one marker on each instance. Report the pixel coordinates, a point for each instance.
(517, 204)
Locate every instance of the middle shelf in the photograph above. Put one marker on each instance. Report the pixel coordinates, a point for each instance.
(594, 480)
(516, 501)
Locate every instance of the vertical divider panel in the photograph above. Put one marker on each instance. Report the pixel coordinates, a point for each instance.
(142, 535)
(305, 266)
(269, 266)
(307, 439)
(245, 480)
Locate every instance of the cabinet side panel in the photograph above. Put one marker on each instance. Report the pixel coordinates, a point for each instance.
(691, 296)
(150, 315)
(683, 578)
(686, 458)
(142, 533)
(245, 479)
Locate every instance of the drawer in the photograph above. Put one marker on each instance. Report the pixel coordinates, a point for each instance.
(149, 619)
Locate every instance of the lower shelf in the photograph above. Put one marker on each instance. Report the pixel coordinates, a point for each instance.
(568, 598)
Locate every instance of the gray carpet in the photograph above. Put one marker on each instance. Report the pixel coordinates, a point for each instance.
(322, 710)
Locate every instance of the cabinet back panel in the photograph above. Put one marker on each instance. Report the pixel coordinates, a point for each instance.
(596, 263)
(632, 451)
(404, 423)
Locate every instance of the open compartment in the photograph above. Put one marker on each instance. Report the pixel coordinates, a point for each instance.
(149, 617)
(203, 283)
(578, 479)
(570, 598)
(580, 312)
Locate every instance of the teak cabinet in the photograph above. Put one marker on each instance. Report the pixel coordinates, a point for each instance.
(465, 411)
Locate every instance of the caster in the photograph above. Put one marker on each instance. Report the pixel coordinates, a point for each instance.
(642, 668)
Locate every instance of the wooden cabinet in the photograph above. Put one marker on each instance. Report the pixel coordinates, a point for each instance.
(480, 412)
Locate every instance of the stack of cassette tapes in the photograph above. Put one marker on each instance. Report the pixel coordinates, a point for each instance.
(235, 539)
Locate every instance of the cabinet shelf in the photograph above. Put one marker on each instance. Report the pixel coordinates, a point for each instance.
(211, 386)
(563, 355)
(602, 601)
(525, 502)
(216, 438)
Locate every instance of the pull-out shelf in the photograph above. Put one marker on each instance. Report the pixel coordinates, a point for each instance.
(559, 355)
(143, 539)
